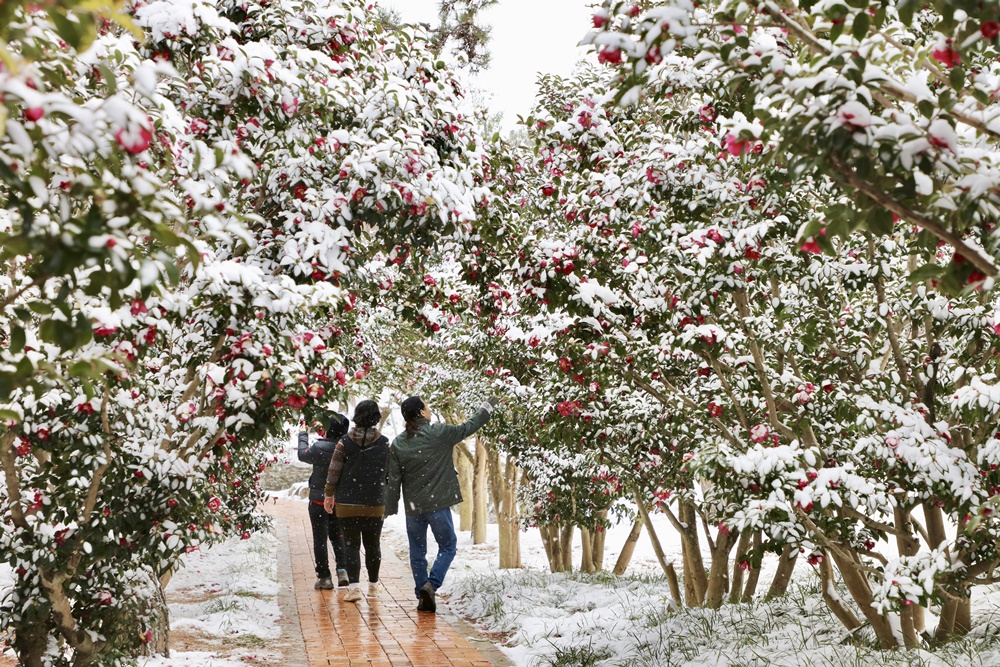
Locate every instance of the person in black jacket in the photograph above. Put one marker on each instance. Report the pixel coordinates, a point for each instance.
(324, 526)
(355, 490)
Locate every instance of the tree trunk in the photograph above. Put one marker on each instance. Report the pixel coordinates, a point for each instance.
(598, 539)
(754, 576)
(625, 557)
(834, 601)
(465, 474)
(861, 591)
(653, 538)
(718, 577)
(586, 551)
(550, 540)
(783, 575)
(509, 518)
(31, 638)
(736, 589)
(566, 547)
(675, 589)
(479, 495)
(694, 564)
(907, 545)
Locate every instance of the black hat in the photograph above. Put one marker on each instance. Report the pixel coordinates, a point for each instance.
(367, 414)
(411, 408)
(337, 426)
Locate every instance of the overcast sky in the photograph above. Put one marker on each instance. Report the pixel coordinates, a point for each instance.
(529, 37)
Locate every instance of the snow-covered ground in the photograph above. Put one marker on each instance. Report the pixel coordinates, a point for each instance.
(226, 599)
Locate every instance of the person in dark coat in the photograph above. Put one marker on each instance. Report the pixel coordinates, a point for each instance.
(420, 461)
(355, 492)
(324, 526)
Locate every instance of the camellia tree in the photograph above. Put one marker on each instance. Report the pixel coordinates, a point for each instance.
(163, 319)
(770, 358)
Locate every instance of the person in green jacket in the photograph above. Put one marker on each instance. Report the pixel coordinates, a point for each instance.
(420, 460)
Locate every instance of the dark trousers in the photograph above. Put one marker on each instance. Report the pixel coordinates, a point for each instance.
(326, 527)
(358, 530)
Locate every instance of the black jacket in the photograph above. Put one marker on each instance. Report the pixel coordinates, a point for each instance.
(363, 479)
(319, 455)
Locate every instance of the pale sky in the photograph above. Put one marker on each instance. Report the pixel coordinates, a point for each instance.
(529, 37)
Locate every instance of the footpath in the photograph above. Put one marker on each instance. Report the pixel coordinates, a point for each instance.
(382, 632)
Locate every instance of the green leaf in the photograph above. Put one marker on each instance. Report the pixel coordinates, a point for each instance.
(16, 339)
(957, 77)
(926, 272)
(880, 221)
(861, 25)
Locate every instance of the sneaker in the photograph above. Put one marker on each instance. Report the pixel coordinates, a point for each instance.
(342, 579)
(426, 597)
(323, 584)
(353, 594)
(375, 589)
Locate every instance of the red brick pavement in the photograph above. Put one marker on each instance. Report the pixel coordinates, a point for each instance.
(382, 632)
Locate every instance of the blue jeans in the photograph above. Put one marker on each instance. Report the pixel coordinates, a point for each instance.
(443, 529)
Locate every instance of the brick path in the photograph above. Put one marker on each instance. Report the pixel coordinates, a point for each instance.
(386, 632)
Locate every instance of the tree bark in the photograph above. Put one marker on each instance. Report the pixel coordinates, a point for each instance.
(736, 589)
(566, 547)
(751, 588)
(625, 557)
(597, 539)
(465, 474)
(718, 576)
(834, 601)
(479, 495)
(694, 564)
(783, 575)
(509, 518)
(861, 591)
(586, 551)
(653, 538)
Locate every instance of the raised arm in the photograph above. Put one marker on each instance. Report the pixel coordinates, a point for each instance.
(452, 435)
(306, 453)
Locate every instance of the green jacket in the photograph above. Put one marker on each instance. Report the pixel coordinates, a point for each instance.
(423, 465)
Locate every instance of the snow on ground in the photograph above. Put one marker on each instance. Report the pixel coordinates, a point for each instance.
(225, 596)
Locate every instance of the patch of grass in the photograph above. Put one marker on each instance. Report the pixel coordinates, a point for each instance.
(577, 656)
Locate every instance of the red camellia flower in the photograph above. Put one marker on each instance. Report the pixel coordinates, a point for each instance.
(734, 146)
(989, 29)
(610, 56)
(565, 365)
(811, 246)
(86, 408)
(33, 114)
(751, 253)
(359, 194)
(815, 559)
(714, 409)
(549, 190)
(599, 21)
(341, 377)
(139, 307)
(299, 191)
(104, 597)
(315, 391)
(707, 113)
(245, 535)
(134, 140)
(104, 330)
(947, 56)
(214, 504)
(296, 401)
